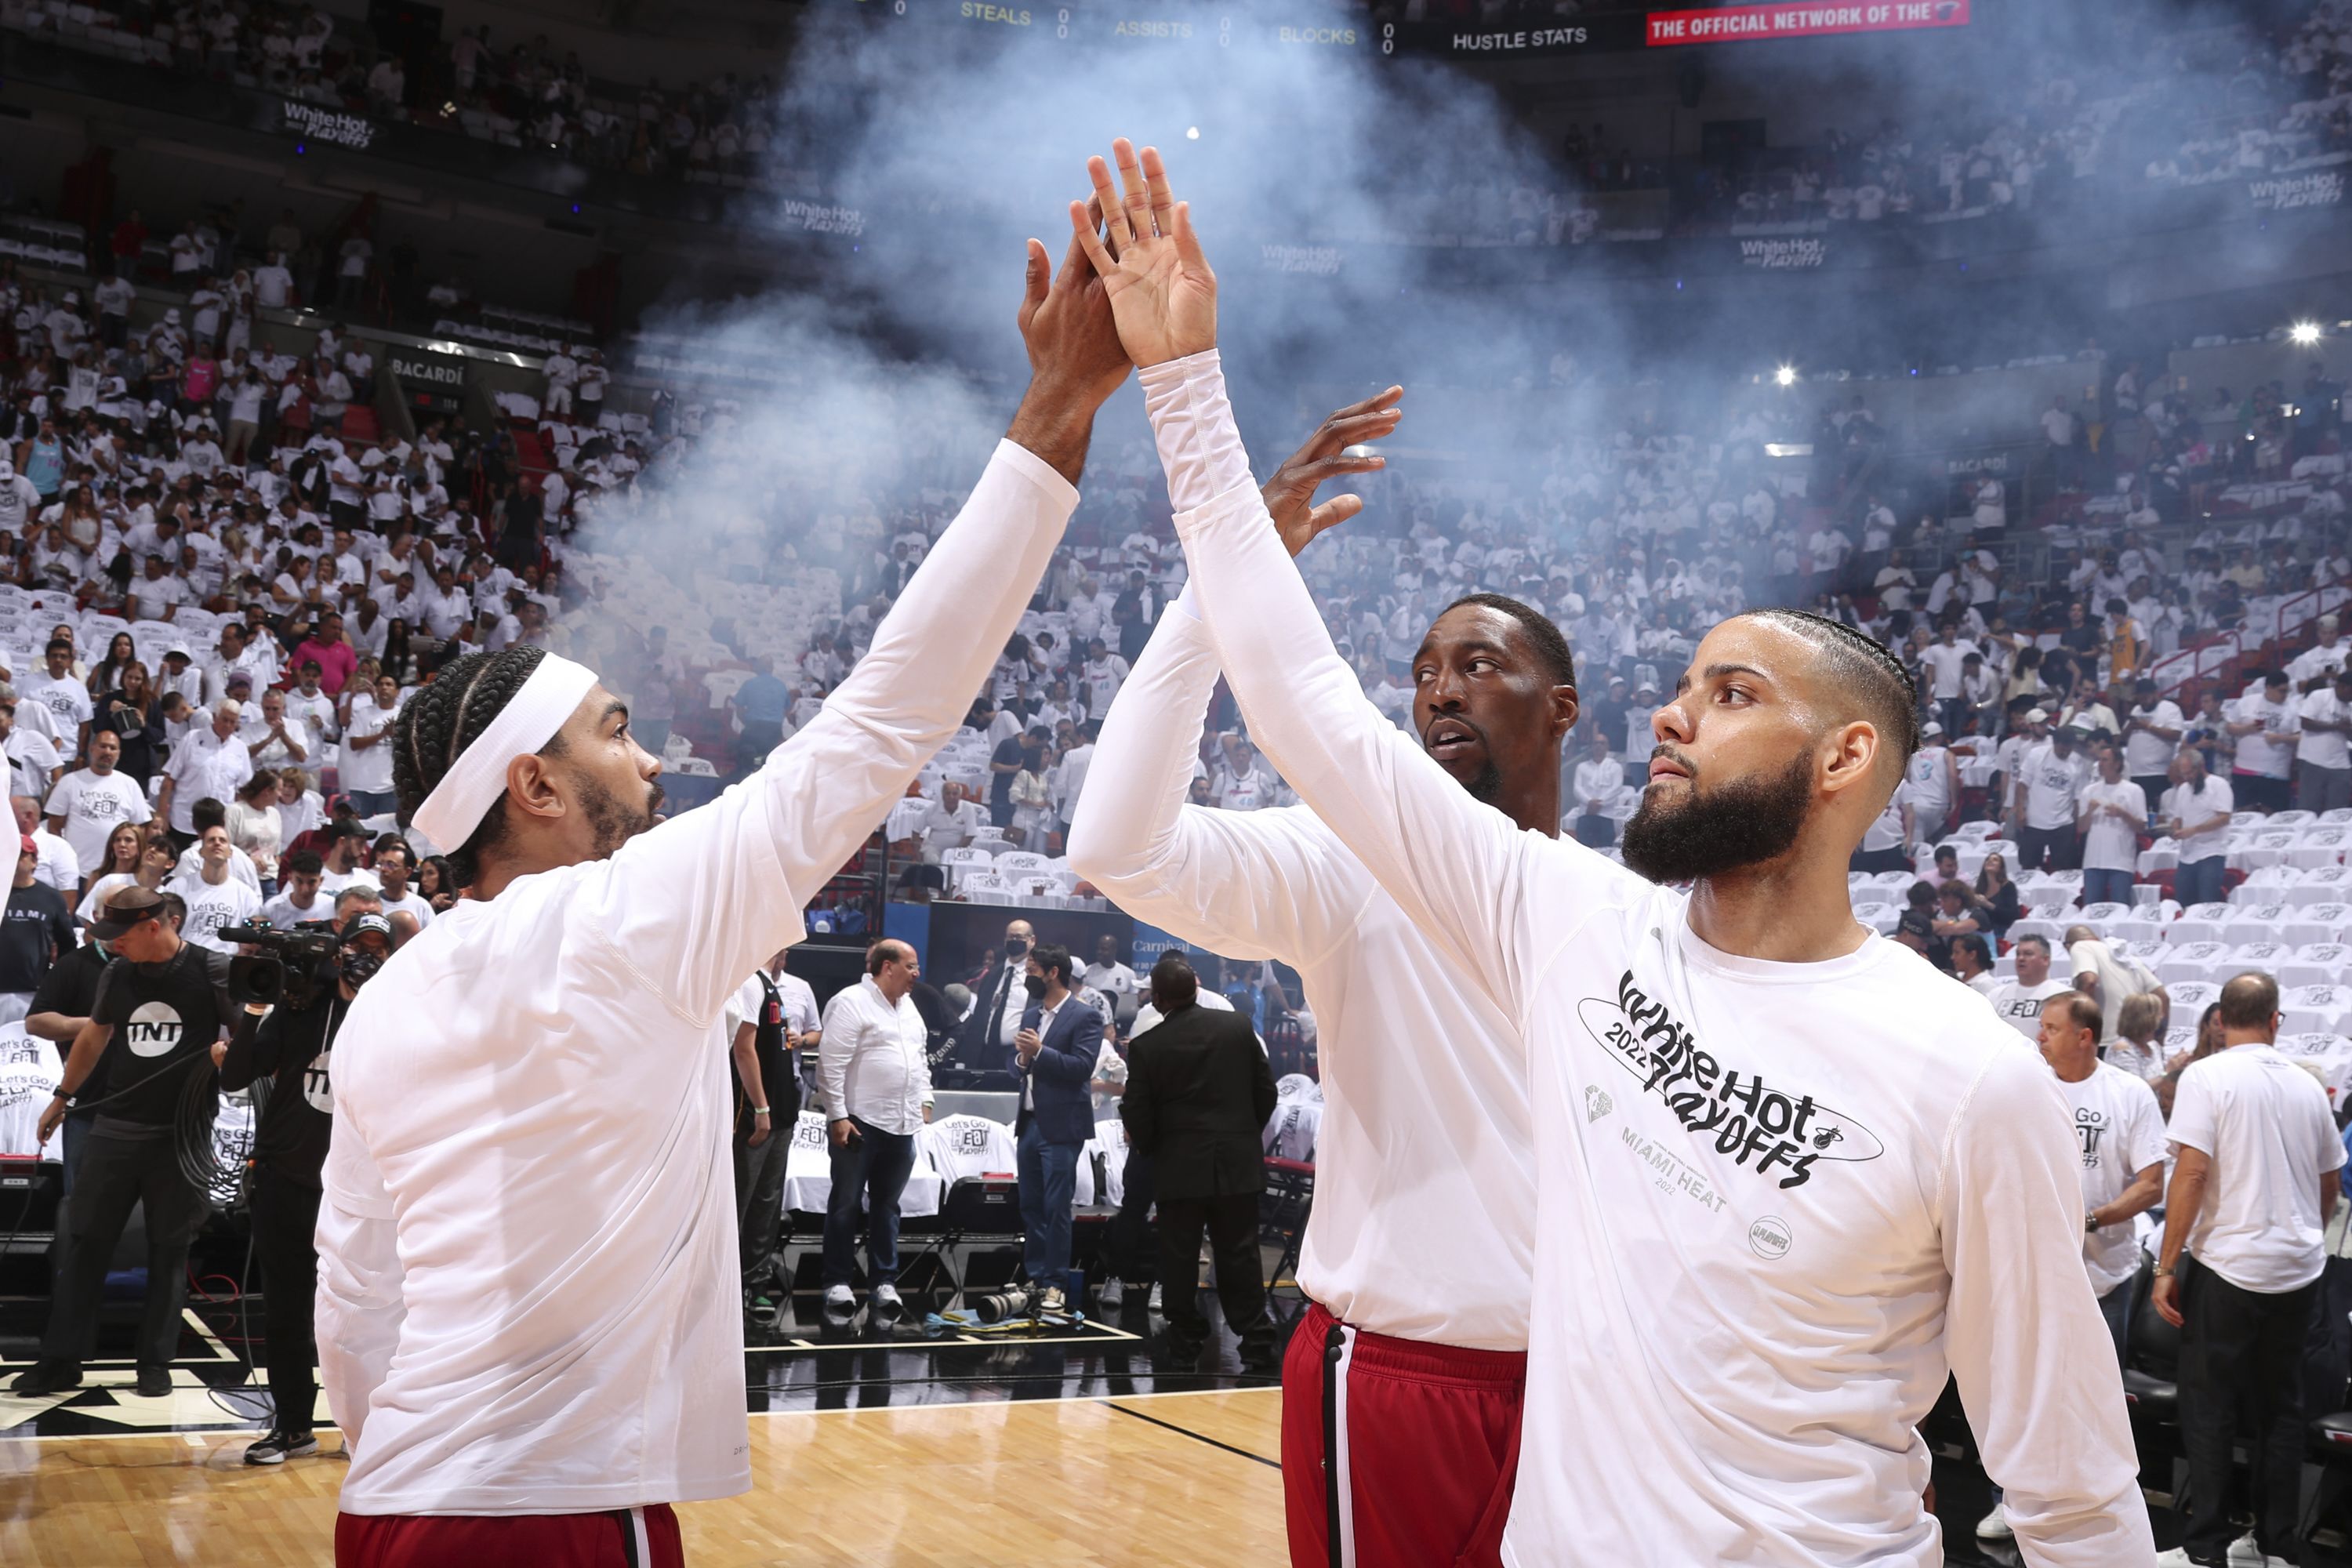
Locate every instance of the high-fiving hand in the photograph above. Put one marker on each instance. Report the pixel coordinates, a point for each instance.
(1162, 294)
(1290, 494)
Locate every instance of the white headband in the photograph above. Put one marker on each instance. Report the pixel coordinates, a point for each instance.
(477, 779)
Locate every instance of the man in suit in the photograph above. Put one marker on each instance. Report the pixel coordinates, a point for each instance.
(1199, 1091)
(984, 1038)
(1055, 1052)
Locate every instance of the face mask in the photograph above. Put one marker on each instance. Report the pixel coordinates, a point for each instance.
(1036, 985)
(359, 965)
(1016, 947)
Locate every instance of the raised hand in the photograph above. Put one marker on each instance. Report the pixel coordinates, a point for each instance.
(1290, 494)
(1162, 291)
(1076, 360)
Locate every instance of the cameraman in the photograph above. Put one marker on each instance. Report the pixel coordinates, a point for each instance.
(289, 1045)
(170, 1001)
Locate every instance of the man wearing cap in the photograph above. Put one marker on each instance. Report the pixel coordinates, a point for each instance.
(18, 499)
(208, 763)
(574, 1002)
(1931, 785)
(168, 1001)
(2050, 783)
(292, 1046)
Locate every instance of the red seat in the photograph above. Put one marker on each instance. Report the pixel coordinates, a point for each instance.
(360, 424)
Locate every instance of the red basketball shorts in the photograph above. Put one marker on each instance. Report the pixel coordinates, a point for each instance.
(1396, 1454)
(623, 1538)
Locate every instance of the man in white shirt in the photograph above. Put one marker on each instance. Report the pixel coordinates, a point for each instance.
(1596, 792)
(1943, 660)
(208, 763)
(874, 1085)
(2265, 724)
(59, 866)
(594, 958)
(2323, 757)
(2151, 738)
(57, 689)
(32, 758)
(2111, 811)
(2197, 813)
(1681, 1034)
(2049, 782)
(2121, 1131)
(2254, 1181)
(1242, 782)
(1931, 785)
(214, 896)
(2017, 1002)
(86, 807)
(395, 864)
(2322, 658)
(1107, 974)
(298, 900)
(2110, 978)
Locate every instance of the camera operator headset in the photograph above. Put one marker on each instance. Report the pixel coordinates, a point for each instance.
(165, 1002)
(283, 1052)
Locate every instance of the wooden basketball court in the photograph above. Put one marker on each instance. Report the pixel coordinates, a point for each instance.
(1155, 1480)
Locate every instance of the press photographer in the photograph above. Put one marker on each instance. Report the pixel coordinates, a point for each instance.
(284, 1051)
(162, 1005)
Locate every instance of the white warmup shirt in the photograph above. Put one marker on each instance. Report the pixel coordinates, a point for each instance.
(2121, 1132)
(1423, 1224)
(528, 1299)
(871, 1063)
(1781, 1202)
(2265, 1123)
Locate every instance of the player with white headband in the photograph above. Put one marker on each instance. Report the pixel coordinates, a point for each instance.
(529, 1327)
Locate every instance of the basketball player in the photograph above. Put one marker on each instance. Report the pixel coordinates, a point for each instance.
(1789, 1177)
(1403, 1384)
(529, 1320)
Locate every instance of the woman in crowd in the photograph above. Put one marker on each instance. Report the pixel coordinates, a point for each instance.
(157, 859)
(256, 828)
(121, 655)
(1997, 895)
(434, 884)
(2136, 1048)
(121, 861)
(130, 708)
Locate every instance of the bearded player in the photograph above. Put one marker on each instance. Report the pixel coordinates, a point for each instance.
(1402, 1383)
(1790, 1179)
(529, 1320)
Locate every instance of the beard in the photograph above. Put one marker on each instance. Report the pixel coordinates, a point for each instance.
(1711, 832)
(610, 820)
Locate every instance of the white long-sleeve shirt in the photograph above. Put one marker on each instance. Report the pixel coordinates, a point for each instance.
(872, 1064)
(1425, 1218)
(1779, 1202)
(527, 1298)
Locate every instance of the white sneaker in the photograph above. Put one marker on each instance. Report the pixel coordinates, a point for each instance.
(1112, 1293)
(2244, 1553)
(2176, 1558)
(1153, 1305)
(1994, 1526)
(838, 1299)
(886, 1298)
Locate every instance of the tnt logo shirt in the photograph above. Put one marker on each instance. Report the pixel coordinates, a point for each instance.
(163, 1015)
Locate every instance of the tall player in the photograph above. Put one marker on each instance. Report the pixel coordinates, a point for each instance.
(528, 1319)
(1403, 1384)
(1790, 1178)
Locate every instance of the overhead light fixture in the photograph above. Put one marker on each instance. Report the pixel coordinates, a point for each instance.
(2304, 332)
(1786, 375)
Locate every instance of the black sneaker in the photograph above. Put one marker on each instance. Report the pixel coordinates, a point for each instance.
(277, 1448)
(47, 1376)
(154, 1382)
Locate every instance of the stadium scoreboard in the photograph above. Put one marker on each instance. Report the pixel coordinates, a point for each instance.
(1138, 24)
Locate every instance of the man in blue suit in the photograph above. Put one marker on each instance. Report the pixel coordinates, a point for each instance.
(1055, 1052)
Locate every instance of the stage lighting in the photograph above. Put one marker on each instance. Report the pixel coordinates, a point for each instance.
(2304, 332)
(1786, 375)
(1191, 134)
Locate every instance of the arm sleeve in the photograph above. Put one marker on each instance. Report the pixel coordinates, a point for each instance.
(1454, 866)
(252, 1049)
(2035, 1365)
(360, 1304)
(701, 900)
(1243, 884)
(833, 1061)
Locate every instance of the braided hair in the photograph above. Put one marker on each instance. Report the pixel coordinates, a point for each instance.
(1869, 670)
(444, 719)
